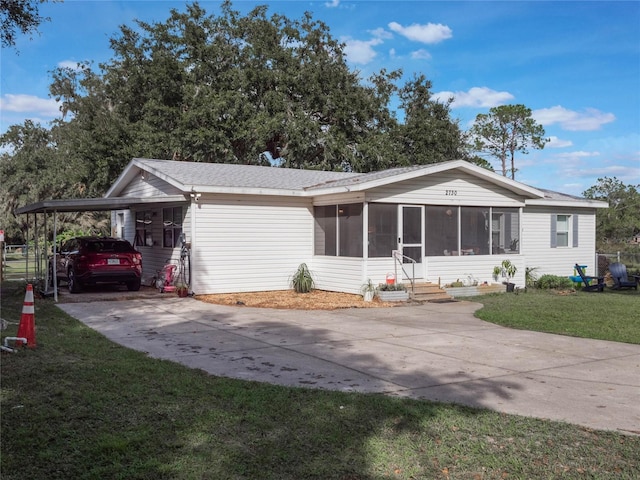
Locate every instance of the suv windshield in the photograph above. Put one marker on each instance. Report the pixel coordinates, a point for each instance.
(110, 246)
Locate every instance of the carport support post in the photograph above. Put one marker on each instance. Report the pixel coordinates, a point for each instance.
(55, 259)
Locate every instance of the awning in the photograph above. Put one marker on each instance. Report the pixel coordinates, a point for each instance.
(95, 204)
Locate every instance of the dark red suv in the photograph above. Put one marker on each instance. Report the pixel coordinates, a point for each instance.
(92, 260)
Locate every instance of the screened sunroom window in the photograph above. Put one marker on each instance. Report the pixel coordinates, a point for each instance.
(325, 233)
(338, 230)
(350, 230)
(441, 231)
(382, 229)
(505, 230)
(474, 231)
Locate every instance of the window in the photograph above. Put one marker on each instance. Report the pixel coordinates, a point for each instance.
(505, 230)
(382, 229)
(564, 231)
(171, 226)
(441, 231)
(325, 231)
(338, 230)
(350, 230)
(143, 236)
(474, 231)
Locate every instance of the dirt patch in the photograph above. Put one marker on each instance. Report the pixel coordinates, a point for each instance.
(289, 299)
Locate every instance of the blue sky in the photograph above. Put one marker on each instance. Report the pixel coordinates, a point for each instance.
(575, 64)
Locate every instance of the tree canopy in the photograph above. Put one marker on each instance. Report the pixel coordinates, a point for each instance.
(505, 130)
(19, 16)
(229, 88)
(617, 224)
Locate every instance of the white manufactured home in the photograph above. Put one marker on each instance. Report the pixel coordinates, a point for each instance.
(248, 228)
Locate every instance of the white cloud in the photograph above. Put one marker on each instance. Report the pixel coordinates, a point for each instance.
(478, 97)
(381, 33)
(430, 33)
(421, 54)
(576, 155)
(21, 103)
(555, 142)
(332, 4)
(71, 64)
(360, 51)
(588, 120)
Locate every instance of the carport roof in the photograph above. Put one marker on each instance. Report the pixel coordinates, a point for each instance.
(94, 204)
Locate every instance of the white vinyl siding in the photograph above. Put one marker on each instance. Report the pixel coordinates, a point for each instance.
(339, 274)
(445, 270)
(448, 188)
(149, 186)
(249, 243)
(538, 246)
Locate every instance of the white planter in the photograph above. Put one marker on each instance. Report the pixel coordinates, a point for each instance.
(393, 295)
(368, 296)
(474, 291)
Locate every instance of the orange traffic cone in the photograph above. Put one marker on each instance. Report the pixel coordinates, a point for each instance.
(27, 327)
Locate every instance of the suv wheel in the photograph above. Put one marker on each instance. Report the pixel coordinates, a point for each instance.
(134, 286)
(74, 285)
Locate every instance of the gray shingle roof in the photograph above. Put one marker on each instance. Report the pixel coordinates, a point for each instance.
(241, 176)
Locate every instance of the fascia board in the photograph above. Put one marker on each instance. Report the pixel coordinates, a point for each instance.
(128, 174)
(586, 203)
(95, 204)
(248, 191)
(161, 175)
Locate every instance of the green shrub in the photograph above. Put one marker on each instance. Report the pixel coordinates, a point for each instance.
(302, 281)
(554, 282)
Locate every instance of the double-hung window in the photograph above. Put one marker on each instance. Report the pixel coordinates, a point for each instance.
(171, 226)
(143, 236)
(564, 230)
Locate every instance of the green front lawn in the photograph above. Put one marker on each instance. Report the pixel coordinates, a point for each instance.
(81, 407)
(609, 315)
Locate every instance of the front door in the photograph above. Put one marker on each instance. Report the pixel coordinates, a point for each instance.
(411, 241)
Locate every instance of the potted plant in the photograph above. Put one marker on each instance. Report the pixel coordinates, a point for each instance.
(368, 290)
(182, 289)
(508, 271)
(392, 292)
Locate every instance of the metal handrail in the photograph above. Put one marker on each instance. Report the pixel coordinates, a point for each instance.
(399, 257)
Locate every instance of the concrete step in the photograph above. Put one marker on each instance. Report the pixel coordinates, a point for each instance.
(428, 292)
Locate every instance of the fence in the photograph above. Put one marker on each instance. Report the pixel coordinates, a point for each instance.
(631, 260)
(19, 263)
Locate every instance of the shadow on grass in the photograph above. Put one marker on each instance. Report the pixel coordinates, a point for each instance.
(80, 406)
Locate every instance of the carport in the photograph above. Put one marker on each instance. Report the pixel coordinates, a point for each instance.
(49, 208)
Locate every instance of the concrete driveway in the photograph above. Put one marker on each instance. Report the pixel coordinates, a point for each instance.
(433, 351)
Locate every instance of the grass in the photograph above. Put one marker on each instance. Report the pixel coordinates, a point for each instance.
(610, 315)
(81, 407)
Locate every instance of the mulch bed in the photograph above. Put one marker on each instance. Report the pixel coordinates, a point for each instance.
(289, 299)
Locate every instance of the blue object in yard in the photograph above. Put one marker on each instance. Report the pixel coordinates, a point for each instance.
(576, 279)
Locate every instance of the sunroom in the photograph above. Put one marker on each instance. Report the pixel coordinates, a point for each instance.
(435, 243)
